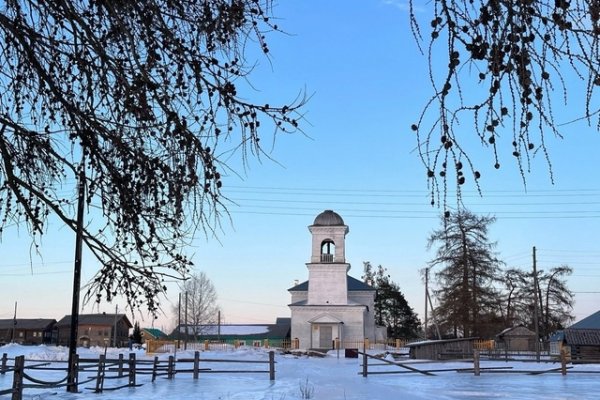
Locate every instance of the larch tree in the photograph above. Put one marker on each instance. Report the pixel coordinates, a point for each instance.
(199, 306)
(497, 69)
(147, 104)
(467, 274)
(391, 308)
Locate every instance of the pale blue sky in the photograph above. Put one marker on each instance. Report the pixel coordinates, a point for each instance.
(367, 81)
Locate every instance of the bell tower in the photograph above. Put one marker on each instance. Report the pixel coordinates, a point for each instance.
(327, 269)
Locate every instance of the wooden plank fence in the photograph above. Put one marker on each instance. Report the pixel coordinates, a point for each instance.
(477, 369)
(114, 369)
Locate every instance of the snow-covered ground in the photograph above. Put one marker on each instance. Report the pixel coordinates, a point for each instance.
(327, 378)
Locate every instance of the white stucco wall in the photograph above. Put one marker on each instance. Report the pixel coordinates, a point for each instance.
(327, 284)
(298, 296)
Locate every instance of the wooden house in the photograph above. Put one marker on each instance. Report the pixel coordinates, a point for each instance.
(442, 349)
(26, 331)
(517, 338)
(583, 339)
(96, 330)
(245, 334)
(153, 334)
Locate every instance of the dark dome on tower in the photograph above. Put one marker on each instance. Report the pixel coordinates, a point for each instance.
(329, 218)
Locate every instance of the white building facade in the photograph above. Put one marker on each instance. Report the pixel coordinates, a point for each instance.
(331, 304)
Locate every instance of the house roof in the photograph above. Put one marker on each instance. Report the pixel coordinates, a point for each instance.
(353, 285)
(516, 331)
(590, 322)
(154, 332)
(582, 337)
(95, 319)
(442, 341)
(32, 323)
(241, 331)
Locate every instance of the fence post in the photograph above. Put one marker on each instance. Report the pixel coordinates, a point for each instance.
(131, 369)
(272, 365)
(154, 368)
(3, 366)
(18, 378)
(120, 365)
(100, 375)
(365, 363)
(196, 364)
(476, 362)
(563, 361)
(170, 368)
(206, 346)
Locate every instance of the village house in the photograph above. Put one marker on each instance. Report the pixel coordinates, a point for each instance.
(96, 330)
(583, 339)
(517, 338)
(153, 334)
(26, 331)
(331, 304)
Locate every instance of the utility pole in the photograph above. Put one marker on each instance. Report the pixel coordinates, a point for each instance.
(426, 296)
(219, 325)
(71, 373)
(12, 340)
(185, 318)
(178, 323)
(437, 328)
(115, 326)
(535, 309)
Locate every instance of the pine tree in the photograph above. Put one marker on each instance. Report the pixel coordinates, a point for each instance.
(137, 333)
(391, 308)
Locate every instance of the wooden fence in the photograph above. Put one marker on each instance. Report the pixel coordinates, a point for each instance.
(173, 346)
(477, 369)
(115, 369)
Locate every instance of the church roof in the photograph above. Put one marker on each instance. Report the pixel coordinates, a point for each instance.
(328, 218)
(353, 285)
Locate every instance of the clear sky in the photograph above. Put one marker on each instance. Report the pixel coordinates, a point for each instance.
(367, 81)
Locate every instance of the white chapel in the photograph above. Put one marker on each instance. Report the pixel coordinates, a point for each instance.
(331, 304)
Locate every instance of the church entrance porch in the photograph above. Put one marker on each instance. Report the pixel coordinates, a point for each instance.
(325, 336)
(325, 329)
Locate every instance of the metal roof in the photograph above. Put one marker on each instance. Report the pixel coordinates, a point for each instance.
(32, 323)
(353, 285)
(591, 322)
(582, 337)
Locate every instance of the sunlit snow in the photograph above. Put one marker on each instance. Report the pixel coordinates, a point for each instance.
(330, 378)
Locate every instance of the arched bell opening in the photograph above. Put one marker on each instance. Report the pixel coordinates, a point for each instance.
(327, 251)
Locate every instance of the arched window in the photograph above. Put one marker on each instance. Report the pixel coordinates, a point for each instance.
(327, 251)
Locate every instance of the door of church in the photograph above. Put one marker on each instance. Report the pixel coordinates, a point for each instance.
(325, 336)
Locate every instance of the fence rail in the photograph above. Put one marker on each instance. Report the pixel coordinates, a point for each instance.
(173, 346)
(121, 368)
